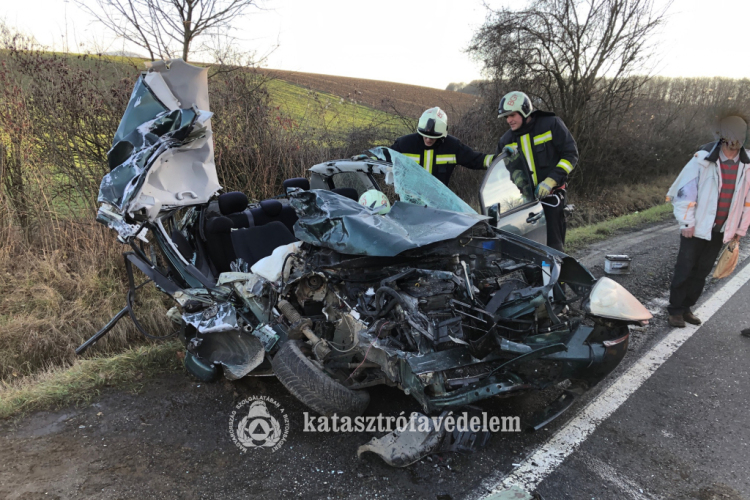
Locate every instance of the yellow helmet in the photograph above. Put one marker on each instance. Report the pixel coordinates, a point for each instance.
(433, 123)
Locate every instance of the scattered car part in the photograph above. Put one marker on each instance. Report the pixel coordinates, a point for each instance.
(409, 444)
(617, 264)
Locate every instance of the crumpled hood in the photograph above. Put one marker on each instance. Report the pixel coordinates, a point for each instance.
(329, 220)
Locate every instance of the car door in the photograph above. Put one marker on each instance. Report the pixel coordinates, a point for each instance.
(507, 196)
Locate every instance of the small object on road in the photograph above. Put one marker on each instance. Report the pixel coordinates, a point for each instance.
(745, 332)
(405, 446)
(423, 436)
(617, 264)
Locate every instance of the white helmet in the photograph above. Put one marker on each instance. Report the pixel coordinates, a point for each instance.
(515, 102)
(433, 123)
(376, 201)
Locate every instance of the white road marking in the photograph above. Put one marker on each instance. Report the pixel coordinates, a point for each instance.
(551, 454)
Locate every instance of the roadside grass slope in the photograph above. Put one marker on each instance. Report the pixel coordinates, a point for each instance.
(579, 237)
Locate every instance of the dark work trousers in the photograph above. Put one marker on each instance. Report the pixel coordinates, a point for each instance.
(556, 225)
(694, 261)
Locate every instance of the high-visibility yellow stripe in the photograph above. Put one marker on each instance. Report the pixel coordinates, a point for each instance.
(416, 158)
(526, 147)
(445, 159)
(513, 145)
(487, 160)
(428, 154)
(542, 138)
(565, 165)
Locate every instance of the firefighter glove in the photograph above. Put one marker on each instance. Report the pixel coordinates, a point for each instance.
(510, 150)
(545, 187)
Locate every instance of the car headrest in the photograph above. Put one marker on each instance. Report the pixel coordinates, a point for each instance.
(219, 225)
(297, 182)
(347, 192)
(230, 203)
(271, 208)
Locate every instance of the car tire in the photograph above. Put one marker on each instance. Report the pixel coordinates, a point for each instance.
(312, 386)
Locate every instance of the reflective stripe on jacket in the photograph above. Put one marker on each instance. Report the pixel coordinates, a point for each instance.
(443, 156)
(695, 196)
(547, 145)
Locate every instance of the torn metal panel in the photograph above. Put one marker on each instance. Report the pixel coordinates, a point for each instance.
(402, 447)
(238, 353)
(162, 154)
(332, 221)
(219, 317)
(109, 217)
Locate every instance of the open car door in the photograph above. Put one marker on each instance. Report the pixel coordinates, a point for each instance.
(507, 197)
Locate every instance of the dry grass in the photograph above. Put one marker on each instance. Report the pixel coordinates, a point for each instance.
(84, 379)
(579, 237)
(61, 283)
(610, 202)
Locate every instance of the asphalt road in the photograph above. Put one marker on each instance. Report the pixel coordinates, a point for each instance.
(171, 440)
(685, 433)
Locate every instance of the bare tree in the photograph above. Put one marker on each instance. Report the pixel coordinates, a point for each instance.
(583, 59)
(165, 28)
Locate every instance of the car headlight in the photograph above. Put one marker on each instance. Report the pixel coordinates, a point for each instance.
(608, 299)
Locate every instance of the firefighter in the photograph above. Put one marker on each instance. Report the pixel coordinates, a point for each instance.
(435, 150)
(550, 152)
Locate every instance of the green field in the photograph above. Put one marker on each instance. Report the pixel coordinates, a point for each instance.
(326, 113)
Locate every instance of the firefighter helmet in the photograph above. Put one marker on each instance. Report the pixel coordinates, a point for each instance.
(515, 102)
(376, 201)
(433, 123)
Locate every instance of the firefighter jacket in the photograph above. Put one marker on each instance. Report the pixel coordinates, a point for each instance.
(442, 157)
(547, 145)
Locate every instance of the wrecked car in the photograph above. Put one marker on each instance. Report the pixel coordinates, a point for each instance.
(447, 304)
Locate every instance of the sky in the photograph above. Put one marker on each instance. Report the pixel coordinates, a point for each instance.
(405, 41)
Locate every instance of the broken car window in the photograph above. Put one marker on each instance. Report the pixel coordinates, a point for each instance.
(507, 185)
(415, 185)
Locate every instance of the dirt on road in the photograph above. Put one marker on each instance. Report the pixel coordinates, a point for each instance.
(171, 439)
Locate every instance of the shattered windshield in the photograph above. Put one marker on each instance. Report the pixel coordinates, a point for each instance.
(415, 185)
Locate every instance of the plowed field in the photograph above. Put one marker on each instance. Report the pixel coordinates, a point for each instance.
(397, 98)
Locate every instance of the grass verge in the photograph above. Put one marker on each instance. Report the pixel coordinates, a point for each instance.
(83, 380)
(581, 236)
